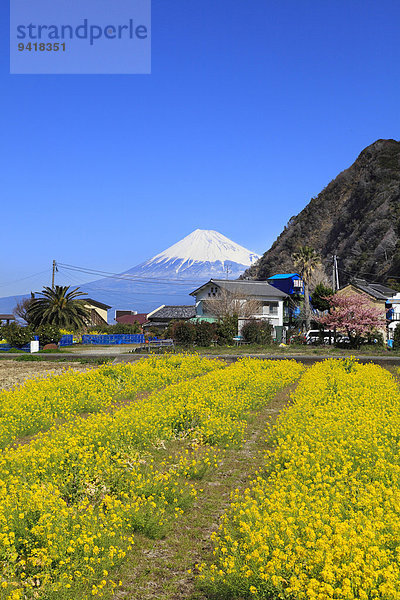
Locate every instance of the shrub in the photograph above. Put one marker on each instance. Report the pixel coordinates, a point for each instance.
(257, 332)
(250, 331)
(265, 330)
(15, 335)
(298, 338)
(226, 329)
(205, 333)
(116, 328)
(183, 333)
(48, 334)
(375, 338)
(126, 328)
(157, 332)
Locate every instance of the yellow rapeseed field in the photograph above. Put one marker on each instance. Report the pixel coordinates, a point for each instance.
(72, 499)
(40, 403)
(322, 520)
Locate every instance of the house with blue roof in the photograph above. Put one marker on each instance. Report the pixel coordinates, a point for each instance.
(292, 285)
(289, 283)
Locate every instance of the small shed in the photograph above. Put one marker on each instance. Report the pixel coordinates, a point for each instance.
(163, 315)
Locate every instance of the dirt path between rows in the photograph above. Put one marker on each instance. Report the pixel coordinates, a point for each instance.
(158, 569)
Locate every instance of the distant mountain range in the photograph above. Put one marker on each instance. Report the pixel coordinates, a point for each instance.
(357, 217)
(170, 276)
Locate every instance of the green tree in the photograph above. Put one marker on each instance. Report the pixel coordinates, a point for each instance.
(226, 329)
(319, 295)
(59, 306)
(306, 260)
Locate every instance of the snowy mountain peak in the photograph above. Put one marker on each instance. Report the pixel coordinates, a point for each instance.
(206, 245)
(169, 277)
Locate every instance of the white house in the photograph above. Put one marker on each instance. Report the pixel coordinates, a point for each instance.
(393, 314)
(270, 299)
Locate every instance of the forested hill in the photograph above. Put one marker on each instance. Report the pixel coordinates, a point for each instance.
(357, 217)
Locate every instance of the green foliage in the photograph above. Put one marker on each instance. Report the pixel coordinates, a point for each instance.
(396, 337)
(205, 333)
(318, 297)
(375, 338)
(226, 329)
(157, 332)
(48, 334)
(60, 306)
(116, 328)
(257, 332)
(183, 333)
(16, 335)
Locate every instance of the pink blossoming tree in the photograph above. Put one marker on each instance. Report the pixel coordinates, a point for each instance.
(354, 316)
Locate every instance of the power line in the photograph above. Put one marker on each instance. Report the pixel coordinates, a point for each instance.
(127, 277)
(23, 278)
(135, 295)
(366, 273)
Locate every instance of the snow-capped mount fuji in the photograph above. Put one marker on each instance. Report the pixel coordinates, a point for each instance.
(202, 253)
(168, 277)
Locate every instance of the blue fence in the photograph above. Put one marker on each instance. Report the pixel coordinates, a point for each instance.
(7, 348)
(66, 340)
(117, 338)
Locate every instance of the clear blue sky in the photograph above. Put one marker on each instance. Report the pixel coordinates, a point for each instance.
(252, 107)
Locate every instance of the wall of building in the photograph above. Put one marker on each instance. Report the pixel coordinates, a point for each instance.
(265, 313)
(102, 312)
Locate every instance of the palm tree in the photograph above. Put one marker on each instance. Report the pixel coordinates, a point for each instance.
(58, 307)
(306, 260)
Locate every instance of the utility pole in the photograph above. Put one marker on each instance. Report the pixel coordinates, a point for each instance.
(228, 270)
(53, 274)
(335, 274)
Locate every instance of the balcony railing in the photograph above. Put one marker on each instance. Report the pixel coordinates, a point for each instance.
(393, 317)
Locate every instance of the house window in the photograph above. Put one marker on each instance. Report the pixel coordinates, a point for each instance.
(297, 283)
(273, 308)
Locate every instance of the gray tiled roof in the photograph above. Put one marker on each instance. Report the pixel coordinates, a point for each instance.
(174, 312)
(245, 287)
(376, 290)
